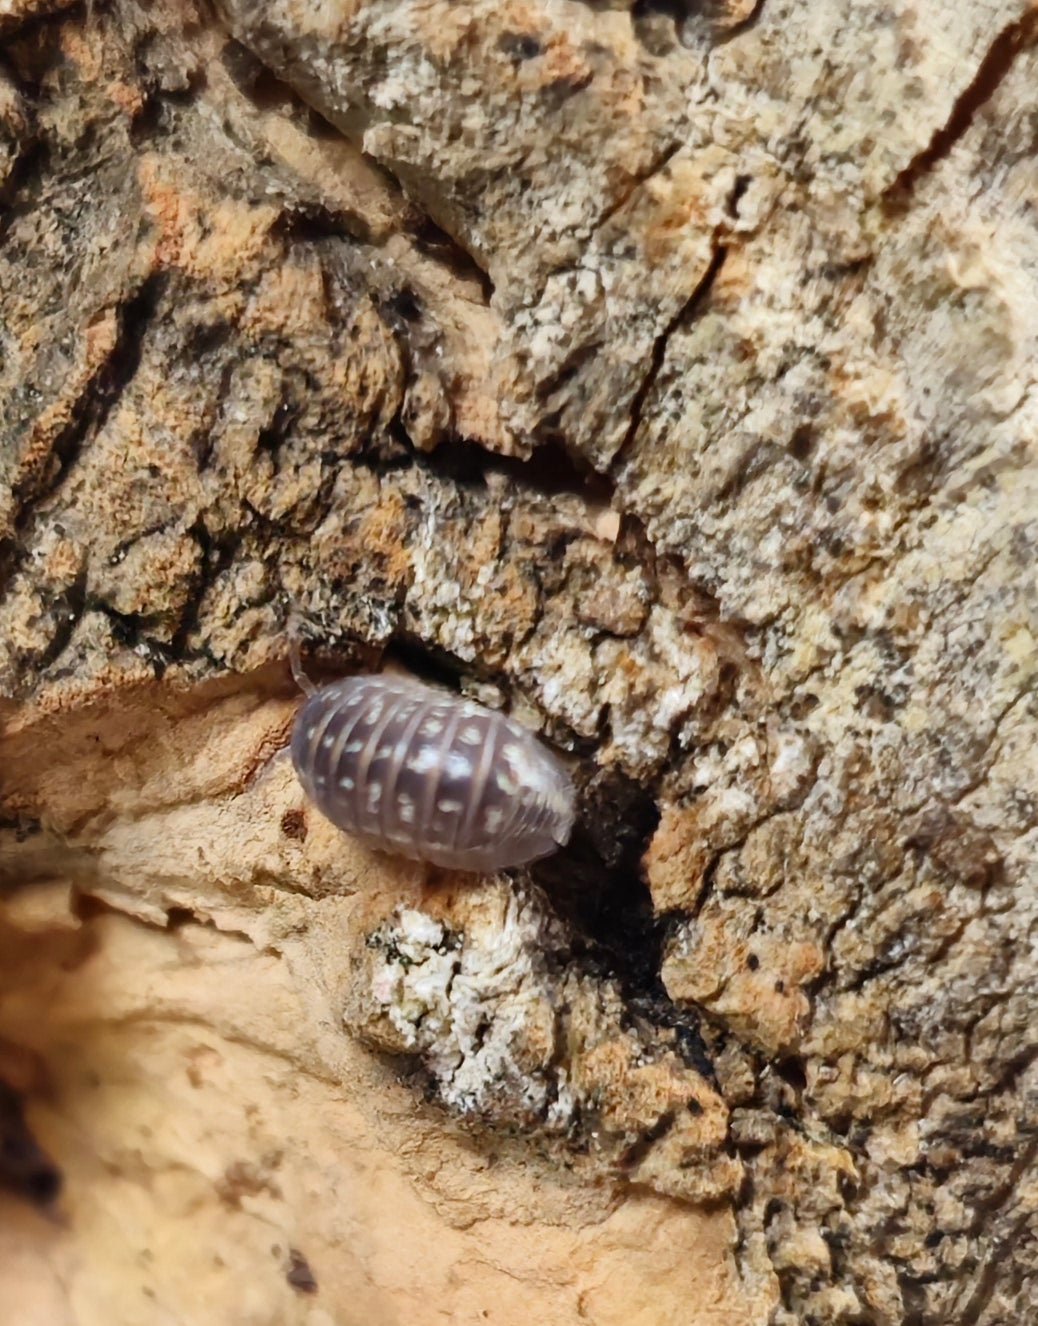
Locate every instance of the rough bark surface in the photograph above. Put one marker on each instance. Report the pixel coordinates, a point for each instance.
(666, 373)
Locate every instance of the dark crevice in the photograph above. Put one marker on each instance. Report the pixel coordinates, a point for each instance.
(276, 430)
(25, 1168)
(311, 223)
(405, 305)
(261, 85)
(40, 33)
(519, 46)
(96, 402)
(694, 1041)
(132, 631)
(743, 26)
(299, 1274)
(991, 1276)
(655, 167)
(21, 826)
(19, 189)
(685, 315)
(267, 89)
(401, 310)
(550, 471)
(738, 192)
(179, 917)
(432, 240)
(991, 71)
(694, 21)
(436, 666)
(596, 885)
(640, 1149)
(568, 369)
(66, 611)
(676, 10)
(218, 555)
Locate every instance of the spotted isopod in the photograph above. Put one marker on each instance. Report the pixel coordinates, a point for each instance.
(421, 773)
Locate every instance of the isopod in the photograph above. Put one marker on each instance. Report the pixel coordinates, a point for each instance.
(415, 771)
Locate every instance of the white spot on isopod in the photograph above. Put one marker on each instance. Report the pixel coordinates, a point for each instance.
(428, 758)
(458, 765)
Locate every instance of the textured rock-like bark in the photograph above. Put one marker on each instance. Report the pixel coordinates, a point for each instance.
(665, 373)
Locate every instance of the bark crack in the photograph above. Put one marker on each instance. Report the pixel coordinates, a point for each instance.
(685, 314)
(98, 397)
(655, 167)
(989, 1278)
(991, 73)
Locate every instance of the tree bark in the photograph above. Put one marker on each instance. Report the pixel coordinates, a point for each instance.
(664, 373)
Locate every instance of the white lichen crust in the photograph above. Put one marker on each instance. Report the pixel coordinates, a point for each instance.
(516, 1038)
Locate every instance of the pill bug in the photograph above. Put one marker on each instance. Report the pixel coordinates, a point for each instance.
(421, 773)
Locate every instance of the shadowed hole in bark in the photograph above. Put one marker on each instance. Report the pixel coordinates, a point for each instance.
(32, 47)
(678, 10)
(259, 83)
(792, 1073)
(438, 667)
(65, 612)
(802, 442)
(519, 46)
(710, 22)
(22, 185)
(25, 1168)
(435, 242)
(649, 1138)
(550, 471)
(406, 304)
(299, 1275)
(595, 883)
(293, 825)
(742, 183)
(312, 223)
(23, 827)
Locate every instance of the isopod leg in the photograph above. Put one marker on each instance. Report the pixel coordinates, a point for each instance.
(295, 658)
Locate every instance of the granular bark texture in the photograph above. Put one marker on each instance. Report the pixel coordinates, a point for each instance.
(664, 373)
